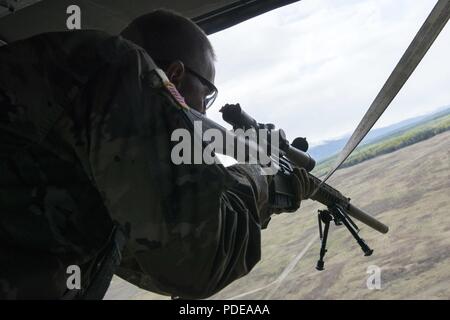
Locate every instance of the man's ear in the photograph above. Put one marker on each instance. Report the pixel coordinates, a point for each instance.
(175, 72)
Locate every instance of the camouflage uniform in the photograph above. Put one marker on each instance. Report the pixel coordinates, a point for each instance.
(85, 143)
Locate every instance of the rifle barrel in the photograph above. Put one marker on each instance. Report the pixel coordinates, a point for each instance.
(329, 196)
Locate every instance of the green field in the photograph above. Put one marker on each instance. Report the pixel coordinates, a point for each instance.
(389, 144)
(407, 189)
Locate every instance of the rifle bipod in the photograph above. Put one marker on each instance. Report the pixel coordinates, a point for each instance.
(339, 216)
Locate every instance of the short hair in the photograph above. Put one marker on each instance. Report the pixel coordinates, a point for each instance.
(168, 36)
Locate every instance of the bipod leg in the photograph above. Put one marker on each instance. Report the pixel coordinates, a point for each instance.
(340, 214)
(325, 217)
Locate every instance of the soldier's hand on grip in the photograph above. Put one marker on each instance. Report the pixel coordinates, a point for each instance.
(288, 189)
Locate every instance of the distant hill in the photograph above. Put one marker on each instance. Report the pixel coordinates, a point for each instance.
(331, 147)
(398, 139)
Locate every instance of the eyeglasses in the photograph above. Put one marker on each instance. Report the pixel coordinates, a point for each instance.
(212, 90)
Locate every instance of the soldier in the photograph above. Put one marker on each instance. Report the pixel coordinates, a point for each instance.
(86, 178)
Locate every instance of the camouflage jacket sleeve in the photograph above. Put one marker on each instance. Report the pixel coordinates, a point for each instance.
(192, 229)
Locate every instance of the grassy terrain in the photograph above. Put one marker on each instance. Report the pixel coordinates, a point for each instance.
(388, 144)
(407, 189)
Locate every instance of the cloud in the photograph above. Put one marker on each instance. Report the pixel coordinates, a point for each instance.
(314, 67)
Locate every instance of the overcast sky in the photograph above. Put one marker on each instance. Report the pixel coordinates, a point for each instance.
(314, 67)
